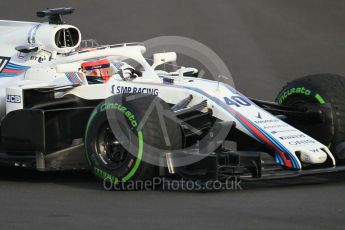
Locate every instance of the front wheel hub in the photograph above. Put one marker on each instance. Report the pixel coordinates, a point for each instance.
(111, 151)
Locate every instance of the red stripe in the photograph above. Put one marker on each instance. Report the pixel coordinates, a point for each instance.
(76, 76)
(11, 71)
(287, 162)
(80, 77)
(72, 77)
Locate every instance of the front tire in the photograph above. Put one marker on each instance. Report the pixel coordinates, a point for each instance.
(116, 147)
(326, 91)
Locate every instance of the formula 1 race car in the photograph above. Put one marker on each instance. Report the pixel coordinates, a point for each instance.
(64, 107)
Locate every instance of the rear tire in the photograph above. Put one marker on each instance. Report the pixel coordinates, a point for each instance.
(323, 90)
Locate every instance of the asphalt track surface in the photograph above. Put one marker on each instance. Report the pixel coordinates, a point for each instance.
(265, 43)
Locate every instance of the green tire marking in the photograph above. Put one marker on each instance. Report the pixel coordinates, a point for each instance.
(319, 99)
(299, 90)
(104, 175)
(99, 172)
(294, 90)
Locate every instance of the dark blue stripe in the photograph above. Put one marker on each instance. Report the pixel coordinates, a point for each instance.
(76, 77)
(274, 141)
(7, 75)
(69, 78)
(15, 66)
(279, 159)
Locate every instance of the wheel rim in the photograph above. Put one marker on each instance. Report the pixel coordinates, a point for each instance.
(326, 135)
(109, 150)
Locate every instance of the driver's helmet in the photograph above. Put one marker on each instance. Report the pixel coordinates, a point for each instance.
(97, 71)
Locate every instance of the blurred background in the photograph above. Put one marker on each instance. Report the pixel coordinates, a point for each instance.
(264, 43)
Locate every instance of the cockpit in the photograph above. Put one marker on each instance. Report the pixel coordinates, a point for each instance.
(101, 71)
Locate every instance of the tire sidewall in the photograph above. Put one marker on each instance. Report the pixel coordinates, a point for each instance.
(133, 161)
(300, 89)
(146, 141)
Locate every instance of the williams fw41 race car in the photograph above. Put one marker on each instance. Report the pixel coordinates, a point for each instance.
(64, 107)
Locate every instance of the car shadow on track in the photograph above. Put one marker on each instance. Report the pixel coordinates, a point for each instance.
(79, 178)
(86, 180)
(335, 178)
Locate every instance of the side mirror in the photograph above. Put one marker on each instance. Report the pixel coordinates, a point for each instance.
(161, 58)
(27, 48)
